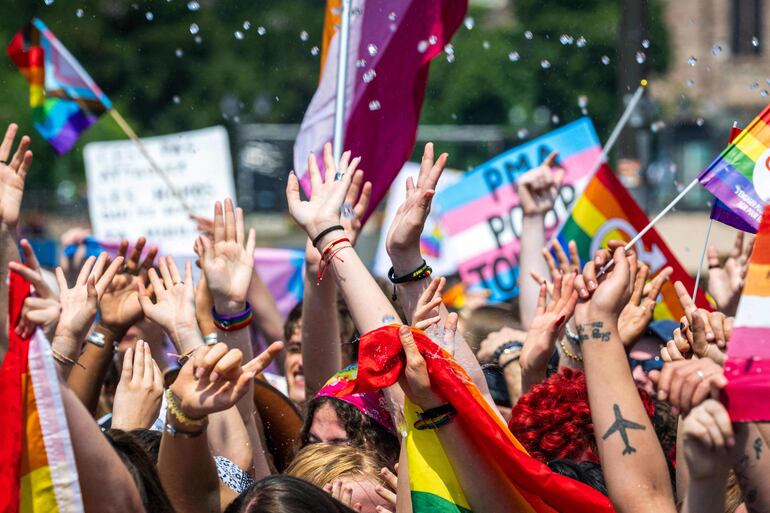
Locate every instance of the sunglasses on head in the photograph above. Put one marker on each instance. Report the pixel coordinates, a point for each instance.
(650, 364)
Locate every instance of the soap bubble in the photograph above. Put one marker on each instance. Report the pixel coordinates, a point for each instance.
(605, 60)
(314, 51)
(521, 133)
(374, 105)
(641, 57)
(716, 50)
(566, 39)
(149, 16)
(246, 25)
(581, 42)
(194, 29)
(513, 56)
(485, 44)
(193, 5)
(369, 76)
(179, 52)
(646, 43)
(422, 46)
(176, 99)
(261, 30)
(528, 35)
(545, 64)
(79, 13)
(469, 22)
(372, 49)
(238, 35)
(304, 36)
(692, 61)
(755, 41)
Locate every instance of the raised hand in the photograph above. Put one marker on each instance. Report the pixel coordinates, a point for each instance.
(549, 322)
(637, 314)
(174, 308)
(726, 280)
(388, 492)
(609, 293)
(687, 383)
(403, 240)
(214, 379)
(708, 438)
(229, 262)
(343, 492)
(119, 308)
(415, 381)
(140, 389)
(426, 313)
(353, 209)
(42, 309)
(327, 196)
(13, 172)
(539, 187)
(710, 331)
(31, 271)
(80, 303)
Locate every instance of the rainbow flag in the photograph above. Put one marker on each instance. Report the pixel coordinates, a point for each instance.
(37, 464)
(391, 45)
(748, 354)
(65, 100)
(607, 211)
(740, 176)
(434, 486)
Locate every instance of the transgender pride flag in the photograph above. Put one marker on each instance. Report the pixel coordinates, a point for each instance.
(390, 48)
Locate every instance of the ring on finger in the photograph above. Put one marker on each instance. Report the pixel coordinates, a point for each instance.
(701, 375)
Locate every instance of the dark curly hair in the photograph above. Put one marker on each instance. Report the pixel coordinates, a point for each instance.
(285, 494)
(587, 472)
(361, 430)
(553, 420)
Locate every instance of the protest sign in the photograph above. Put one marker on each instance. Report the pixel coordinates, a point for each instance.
(128, 199)
(431, 241)
(480, 216)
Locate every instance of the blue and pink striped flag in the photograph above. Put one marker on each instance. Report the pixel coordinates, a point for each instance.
(480, 216)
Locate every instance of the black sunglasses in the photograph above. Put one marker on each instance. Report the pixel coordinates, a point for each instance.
(650, 364)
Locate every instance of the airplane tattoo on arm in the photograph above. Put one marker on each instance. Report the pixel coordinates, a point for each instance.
(621, 425)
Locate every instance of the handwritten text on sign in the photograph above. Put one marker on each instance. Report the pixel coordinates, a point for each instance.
(128, 199)
(481, 217)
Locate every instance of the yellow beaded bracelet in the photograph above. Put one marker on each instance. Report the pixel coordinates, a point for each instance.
(176, 411)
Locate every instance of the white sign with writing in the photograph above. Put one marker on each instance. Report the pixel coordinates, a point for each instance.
(128, 199)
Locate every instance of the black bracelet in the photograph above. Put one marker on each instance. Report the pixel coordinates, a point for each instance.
(505, 349)
(438, 411)
(418, 274)
(325, 232)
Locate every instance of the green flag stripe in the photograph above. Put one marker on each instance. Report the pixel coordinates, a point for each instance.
(425, 502)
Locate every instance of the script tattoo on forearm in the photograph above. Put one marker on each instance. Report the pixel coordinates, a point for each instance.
(621, 426)
(758, 447)
(593, 331)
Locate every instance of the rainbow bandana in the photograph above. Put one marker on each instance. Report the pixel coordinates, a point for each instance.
(372, 404)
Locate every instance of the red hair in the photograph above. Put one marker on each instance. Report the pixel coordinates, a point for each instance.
(553, 420)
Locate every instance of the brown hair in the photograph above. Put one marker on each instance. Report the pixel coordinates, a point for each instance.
(487, 319)
(321, 464)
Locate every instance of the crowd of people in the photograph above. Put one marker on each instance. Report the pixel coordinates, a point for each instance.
(161, 376)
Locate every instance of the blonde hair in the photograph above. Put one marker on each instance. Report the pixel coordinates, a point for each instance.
(321, 464)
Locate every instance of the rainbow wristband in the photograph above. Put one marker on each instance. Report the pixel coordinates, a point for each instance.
(233, 322)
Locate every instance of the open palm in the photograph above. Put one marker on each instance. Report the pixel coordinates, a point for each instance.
(13, 174)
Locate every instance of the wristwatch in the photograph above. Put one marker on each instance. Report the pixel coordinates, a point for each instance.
(506, 348)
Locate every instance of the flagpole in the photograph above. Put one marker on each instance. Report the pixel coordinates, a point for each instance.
(649, 226)
(702, 257)
(123, 124)
(621, 124)
(342, 75)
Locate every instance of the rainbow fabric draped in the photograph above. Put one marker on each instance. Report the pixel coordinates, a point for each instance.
(65, 100)
(607, 211)
(434, 486)
(740, 176)
(748, 354)
(37, 464)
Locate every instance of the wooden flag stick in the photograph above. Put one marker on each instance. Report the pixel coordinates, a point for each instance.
(702, 257)
(132, 135)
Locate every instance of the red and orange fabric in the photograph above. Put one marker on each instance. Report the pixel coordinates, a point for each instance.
(380, 362)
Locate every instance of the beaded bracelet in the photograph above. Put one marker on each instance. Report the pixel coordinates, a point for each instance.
(176, 411)
(418, 274)
(233, 322)
(329, 253)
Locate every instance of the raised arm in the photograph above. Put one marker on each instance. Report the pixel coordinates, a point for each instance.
(368, 306)
(403, 246)
(321, 344)
(631, 456)
(538, 189)
(213, 380)
(13, 172)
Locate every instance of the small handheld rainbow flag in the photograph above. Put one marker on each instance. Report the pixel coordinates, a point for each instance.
(36, 457)
(433, 483)
(740, 176)
(606, 211)
(65, 100)
(748, 353)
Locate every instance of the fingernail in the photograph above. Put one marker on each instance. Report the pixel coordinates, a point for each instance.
(674, 410)
(598, 260)
(560, 320)
(214, 376)
(583, 293)
(661, 395)
(710, 335)
(199, 372)
(730, 441)
(681, 326)
(591, 285)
